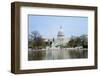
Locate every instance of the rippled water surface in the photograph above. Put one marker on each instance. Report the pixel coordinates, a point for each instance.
(52, 54)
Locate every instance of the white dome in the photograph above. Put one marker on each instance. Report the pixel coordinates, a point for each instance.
(60, 32)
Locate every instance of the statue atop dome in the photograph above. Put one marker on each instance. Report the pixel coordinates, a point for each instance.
(60, 27)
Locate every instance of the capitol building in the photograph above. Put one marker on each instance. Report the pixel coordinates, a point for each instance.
(60, 39)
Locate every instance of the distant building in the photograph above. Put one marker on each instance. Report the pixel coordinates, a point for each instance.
(60, 40)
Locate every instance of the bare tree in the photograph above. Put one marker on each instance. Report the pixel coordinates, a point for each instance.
(36, 40)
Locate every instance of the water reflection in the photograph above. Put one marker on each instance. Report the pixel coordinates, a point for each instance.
(52, 54)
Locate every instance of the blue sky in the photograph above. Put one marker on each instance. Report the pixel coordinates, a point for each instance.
(48, 26)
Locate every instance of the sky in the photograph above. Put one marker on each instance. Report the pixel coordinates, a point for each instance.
(48, 26)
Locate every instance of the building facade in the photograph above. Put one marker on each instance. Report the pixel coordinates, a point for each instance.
(60, 40)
